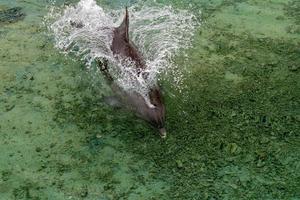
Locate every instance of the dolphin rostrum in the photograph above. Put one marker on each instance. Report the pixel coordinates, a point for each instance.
(153, 111)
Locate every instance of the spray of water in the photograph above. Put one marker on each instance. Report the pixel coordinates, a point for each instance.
(159, 32)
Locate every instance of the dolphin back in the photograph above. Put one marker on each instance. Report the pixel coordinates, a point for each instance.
(122, 46)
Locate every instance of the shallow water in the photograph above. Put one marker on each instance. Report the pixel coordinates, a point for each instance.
(233, 133)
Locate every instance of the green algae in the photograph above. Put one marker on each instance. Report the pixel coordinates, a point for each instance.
(232, 134)
(11, 15)
(292, 9)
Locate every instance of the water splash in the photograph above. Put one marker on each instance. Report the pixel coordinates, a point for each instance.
(159, 32)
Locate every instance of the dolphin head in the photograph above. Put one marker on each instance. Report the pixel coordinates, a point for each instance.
(151, 109)
(156, 113)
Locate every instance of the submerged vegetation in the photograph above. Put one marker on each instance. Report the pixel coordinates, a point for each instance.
(232, 134)
(11, 15)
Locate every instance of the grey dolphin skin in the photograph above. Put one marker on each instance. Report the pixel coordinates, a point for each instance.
(121, 46)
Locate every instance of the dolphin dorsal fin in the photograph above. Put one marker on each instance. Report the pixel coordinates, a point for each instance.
(123, 28)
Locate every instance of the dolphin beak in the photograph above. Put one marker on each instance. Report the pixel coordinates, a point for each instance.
(163, 133)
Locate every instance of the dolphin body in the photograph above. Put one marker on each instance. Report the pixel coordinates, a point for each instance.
(153, 111)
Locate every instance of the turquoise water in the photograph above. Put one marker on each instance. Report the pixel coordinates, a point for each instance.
(232, 134)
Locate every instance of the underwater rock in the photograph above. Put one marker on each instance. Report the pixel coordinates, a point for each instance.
(233, 147)
(5, 175)
(9, 107)
(280, 17)
(293, 68)
(293, 29)
(11, 15)
(31, 78)
(179, 164)
(38, 149)
(84, 191)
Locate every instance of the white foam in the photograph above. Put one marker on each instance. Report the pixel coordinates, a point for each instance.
(159, 32)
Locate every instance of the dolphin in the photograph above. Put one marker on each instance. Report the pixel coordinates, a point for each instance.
(153, 111)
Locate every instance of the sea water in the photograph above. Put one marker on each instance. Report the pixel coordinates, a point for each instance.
(229, 72)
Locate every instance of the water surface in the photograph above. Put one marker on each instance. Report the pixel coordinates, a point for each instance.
(233, 133)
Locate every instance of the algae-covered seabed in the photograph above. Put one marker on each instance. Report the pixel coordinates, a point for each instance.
(233, 134)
